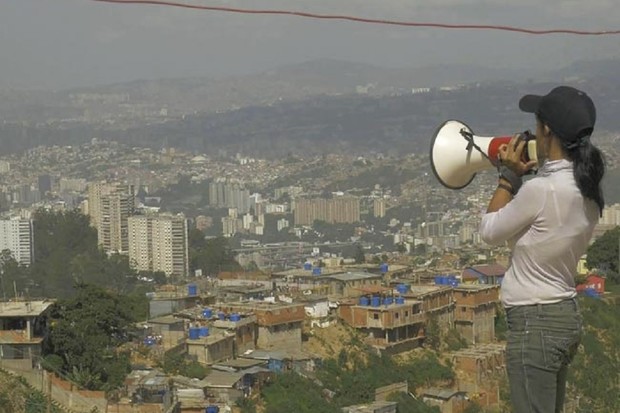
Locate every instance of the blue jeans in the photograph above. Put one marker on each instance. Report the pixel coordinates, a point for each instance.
(542, 341)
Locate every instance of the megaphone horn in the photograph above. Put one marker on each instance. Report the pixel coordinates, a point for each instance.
(457, 154)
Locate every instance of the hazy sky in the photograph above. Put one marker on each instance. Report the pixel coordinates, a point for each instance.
(55, 44)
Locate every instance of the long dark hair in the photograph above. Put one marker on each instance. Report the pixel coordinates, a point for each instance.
(588, 169)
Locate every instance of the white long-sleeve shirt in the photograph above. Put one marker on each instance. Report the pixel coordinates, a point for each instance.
(548, 225)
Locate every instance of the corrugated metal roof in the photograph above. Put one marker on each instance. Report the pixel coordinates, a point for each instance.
(223, 378)
(353, 276)
(444, 394)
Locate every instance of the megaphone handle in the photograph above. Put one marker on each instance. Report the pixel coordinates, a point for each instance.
(469, 137)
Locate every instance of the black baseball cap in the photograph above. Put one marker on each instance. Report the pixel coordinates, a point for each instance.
(569, 112)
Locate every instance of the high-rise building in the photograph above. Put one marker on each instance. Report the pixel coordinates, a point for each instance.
(109, 207)
(230, 226)
(216, 194)
(611, 215)
(159, 243)
(140, 242)
(230, 195)
(337, 210)
(170, 245)
(16, 235)
(378, 207)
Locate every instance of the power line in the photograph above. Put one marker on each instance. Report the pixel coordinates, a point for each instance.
(366, 20)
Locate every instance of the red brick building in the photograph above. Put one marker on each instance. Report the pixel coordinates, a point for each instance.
(389, 326)
(474, 315)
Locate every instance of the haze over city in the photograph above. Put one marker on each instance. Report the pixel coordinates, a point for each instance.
(67, 43)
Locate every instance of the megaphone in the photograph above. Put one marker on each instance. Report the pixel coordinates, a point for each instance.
(457, 154)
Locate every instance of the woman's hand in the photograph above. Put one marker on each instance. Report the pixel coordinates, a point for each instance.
(511, 155)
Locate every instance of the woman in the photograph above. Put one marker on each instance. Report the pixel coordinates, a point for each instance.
(548, 224)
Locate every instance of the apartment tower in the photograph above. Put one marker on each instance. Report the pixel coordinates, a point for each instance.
(159, 243)
(109, 207)
(16, 235)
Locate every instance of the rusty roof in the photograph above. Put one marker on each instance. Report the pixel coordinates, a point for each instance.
(490, 270)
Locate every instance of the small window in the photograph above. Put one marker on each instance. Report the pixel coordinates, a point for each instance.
(406, 313)
(463, 309)
(396, 315)
(375, 316)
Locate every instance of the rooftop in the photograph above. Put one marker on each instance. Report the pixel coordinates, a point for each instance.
(300, 272)
(444, 394)
(370, 407)
(491, 270)
(353, 276)
(419, 290)
(24, 308)
(238, 364)
(222, 378)
(475, 287)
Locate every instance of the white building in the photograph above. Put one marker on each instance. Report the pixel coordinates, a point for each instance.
(159, 243)
(611, 215)
(16, 235)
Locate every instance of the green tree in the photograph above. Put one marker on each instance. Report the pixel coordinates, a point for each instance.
(67, 254)
(453, 340)
(176, 363)
(594, 371)
(211, 256)
(292, 393)
(86, 332)
(603, 254)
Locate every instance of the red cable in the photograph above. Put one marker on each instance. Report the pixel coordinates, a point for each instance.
(364, 20)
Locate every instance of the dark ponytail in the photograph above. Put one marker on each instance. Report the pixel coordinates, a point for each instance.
(588, 168)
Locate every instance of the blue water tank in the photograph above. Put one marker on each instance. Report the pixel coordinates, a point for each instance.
(203, 331)
(316, 271)
(591, 292)
(383, 268)
(364, 301)
(212, 409)
(388, 300)
(400, 300)
(402, 288)
(453, 282)
(307, 266)
(148, 341)
(221, 315)
(194, 333)
(375, 301)
(192, 289)
(235, 317)
(438, 280)
(207, 313)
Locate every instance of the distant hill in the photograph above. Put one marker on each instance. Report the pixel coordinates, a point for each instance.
(319, 113)
(286, 83)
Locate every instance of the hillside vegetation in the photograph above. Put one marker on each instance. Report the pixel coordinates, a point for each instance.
(17, 397)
